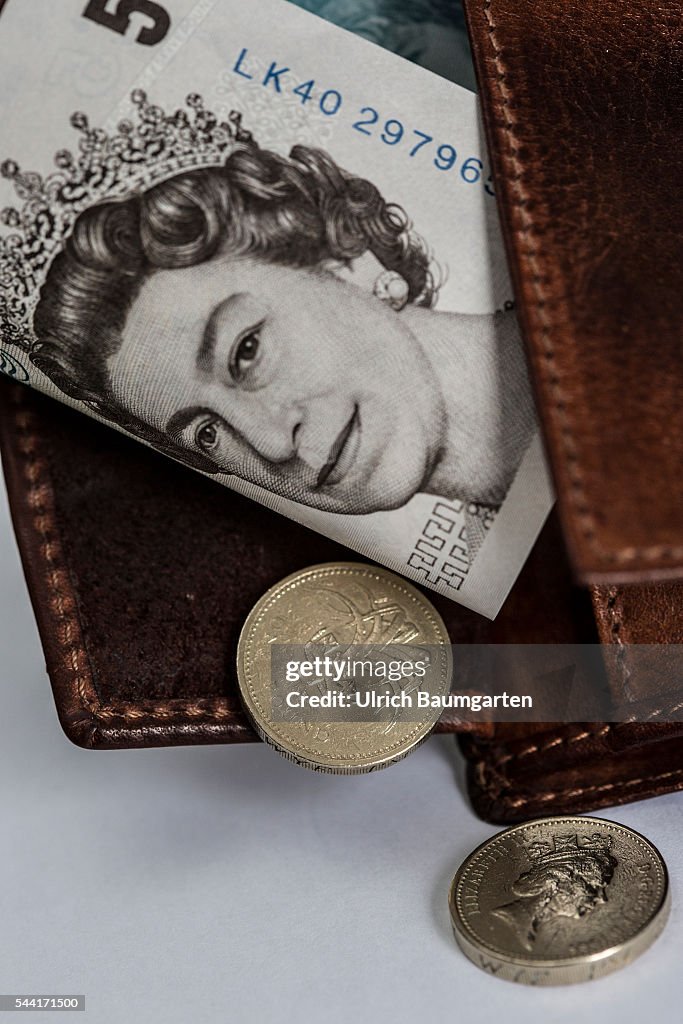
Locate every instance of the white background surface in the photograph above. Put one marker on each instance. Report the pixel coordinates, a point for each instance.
(225, 884)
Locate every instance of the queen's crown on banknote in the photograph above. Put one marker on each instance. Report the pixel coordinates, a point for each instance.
(139, 154)
(268, 249)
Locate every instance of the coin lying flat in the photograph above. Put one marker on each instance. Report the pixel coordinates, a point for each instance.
(559, 900)
(341, 604)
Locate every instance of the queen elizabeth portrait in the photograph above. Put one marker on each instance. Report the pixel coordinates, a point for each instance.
(214, 313)
(566, 880)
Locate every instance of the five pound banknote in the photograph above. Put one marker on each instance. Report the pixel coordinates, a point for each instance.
(269, 249)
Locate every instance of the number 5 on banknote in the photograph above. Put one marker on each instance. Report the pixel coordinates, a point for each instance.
(300, 318)
(118, 17)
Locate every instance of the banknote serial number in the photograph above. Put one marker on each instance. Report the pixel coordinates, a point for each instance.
(119, 16)
(369, 121)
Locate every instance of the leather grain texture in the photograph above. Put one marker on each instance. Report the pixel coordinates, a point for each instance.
(572, 768)
(142, 573)
(526, 771)
(583, 106)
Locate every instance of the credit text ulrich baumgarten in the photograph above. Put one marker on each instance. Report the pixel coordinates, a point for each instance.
(326, 685)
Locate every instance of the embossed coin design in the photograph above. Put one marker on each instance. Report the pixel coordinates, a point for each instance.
(559, 900)
(340, 605)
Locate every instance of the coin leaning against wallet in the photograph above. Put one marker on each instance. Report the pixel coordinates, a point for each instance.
(559, 900)
(340, 604)
(549, 902)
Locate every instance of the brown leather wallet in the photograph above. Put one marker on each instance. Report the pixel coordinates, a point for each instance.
(581, 102)
(141, 573)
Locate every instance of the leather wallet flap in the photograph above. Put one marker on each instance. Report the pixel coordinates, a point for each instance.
(142, 574)
(582, 101)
